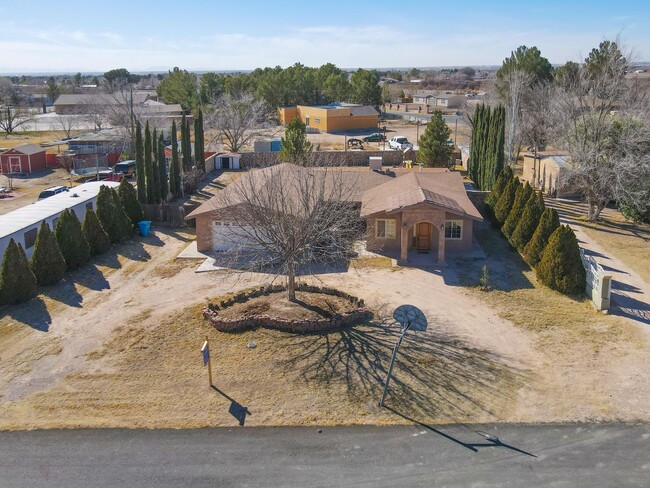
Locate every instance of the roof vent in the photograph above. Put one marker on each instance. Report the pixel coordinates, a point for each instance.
(75, 195)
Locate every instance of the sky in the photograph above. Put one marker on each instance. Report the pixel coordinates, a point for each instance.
(38, 36)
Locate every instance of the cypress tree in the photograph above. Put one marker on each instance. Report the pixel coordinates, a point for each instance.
(98, 239)
(524, 192)
(501, 137)
(72, 241)
(129, 200)
(123, 224)
(505, 202)
(186, 147)
(148, 165)
(47, 262)
(162, 170)
(504, 177)
(534, 250)
(199, 143)
(561, 266)
(17, 281)
(490, 148)
(175, 169)
(107, 214)
(140, 171)
(527, 224)
(155, 172)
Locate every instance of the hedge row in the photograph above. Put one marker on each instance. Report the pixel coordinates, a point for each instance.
(69, 246)
(535, 231)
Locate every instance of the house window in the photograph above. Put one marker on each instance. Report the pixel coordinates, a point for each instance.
(385, 228)
(89, 206)
(30, 237)
(453, 229)
(317, 121)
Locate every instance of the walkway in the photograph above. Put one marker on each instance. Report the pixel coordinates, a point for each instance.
(630, 293)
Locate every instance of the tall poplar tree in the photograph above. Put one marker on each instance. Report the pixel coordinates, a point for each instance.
(154, 167)
(148, 165)
(175, 168)
(186, 147)
(199, 141)
(163, 187)
(140, 171)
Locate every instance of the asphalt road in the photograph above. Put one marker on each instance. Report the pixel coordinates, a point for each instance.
(548, 455)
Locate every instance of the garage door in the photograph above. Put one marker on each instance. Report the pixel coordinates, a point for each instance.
(226, 237)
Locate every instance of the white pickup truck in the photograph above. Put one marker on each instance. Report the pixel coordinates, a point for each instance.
(400, 143)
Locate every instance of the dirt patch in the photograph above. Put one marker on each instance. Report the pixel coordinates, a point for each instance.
(373, 262)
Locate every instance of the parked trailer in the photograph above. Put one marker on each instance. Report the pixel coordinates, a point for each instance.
(22, 224)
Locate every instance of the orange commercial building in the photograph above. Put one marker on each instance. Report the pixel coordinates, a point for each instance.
(332, 118)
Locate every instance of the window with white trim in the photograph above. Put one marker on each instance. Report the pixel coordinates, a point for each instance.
(385, 228)
(316, 121)
(453, 229)
(30, 237)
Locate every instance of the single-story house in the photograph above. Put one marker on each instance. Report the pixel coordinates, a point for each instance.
(437, 99)
(544, 171)
(331, 118)
(22, 224)
(406, 211)
(26, 158)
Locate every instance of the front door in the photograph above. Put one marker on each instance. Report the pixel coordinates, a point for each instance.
(14, 164)
(225, 163)
(423, 236)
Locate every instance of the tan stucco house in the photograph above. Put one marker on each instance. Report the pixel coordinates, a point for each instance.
(407, 211)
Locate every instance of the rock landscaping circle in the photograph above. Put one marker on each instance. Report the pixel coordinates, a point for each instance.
(316, 309)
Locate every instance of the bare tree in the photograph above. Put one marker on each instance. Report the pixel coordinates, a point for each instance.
(13, 108)
(237, 120)
(518, 82)
(285, 218)
(67, 123)
(536, 121)
(603, 122)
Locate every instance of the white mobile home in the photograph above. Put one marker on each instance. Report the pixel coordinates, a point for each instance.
(22, 224)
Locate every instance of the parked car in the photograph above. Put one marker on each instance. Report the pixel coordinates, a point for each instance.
(53, 190)
(459, 113)
(375, 137)
(110, 175)
(400, 143)
(127, 168)
(355, 143)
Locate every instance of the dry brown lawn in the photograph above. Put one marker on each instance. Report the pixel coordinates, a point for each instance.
(34, 137)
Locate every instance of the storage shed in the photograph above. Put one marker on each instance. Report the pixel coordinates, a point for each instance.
(22, 224)
(227, 160)
(26, 158)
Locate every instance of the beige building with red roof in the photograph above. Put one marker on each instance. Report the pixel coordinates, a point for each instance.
(406, 211)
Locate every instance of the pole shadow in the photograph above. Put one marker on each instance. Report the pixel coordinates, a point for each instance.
(236, 409)
(493, 441)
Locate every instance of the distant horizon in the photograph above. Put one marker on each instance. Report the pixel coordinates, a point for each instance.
(40, 38)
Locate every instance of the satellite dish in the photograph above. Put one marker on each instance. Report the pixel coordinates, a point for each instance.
(411, 316)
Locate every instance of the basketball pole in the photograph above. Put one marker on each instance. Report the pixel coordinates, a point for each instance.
(392, 362)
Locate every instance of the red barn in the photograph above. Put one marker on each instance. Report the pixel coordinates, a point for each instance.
(27, 158)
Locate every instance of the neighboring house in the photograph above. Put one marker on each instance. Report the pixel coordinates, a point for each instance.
(544, 172)
(406, 211)
(209, 156)
(332, 118)
(436, 99)
(144, 104)
(26, 158)
(97, 149)
(22, 224)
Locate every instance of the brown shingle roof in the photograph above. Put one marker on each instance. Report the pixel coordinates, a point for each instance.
(377, 192)
(439, 188)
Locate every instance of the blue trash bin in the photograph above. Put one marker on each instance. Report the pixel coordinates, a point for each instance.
(144, 226)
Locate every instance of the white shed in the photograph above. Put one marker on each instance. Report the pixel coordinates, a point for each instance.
(22, 224)
(227, 160)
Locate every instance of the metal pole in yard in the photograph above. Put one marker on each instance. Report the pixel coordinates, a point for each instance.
(392, 362)
(206, 358)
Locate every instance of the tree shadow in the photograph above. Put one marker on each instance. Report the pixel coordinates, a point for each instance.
(65, 292)
(33, 313)
(436, 374)
(235, 409)
(629, 307)
(472, 446)
(134, 250)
